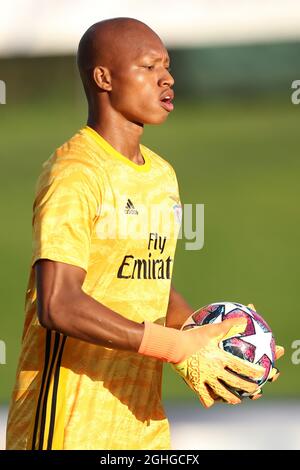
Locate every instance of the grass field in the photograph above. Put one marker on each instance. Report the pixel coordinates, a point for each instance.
(239, 159)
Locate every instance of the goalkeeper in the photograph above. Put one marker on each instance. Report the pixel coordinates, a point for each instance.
(94, 340)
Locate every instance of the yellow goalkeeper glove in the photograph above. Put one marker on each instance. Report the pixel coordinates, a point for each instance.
(210, 369)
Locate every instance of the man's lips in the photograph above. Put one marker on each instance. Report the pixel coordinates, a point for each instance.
(168, 105)
(166, 100)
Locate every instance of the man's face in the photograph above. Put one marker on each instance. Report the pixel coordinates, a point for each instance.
(141, 84)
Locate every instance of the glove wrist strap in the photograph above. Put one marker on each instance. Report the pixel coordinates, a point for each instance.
(162, 343)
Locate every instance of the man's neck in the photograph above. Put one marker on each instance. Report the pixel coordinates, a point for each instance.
(121, 134)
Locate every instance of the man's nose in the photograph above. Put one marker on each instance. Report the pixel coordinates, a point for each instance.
(166, 79)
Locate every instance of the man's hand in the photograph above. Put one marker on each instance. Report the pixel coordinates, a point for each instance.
(274, 374)
(210, 369)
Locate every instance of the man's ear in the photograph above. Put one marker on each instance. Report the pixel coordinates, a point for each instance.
(102, 77)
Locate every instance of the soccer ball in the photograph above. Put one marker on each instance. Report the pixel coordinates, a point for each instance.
(256, 344)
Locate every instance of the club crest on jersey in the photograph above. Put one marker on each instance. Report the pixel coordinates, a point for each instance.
(129, 208)
(177, 213)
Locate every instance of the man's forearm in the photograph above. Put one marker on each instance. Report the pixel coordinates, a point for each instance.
(63, 306)
(84, 318)
(178, 310)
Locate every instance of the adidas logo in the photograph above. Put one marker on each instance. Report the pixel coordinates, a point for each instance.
(129, 208)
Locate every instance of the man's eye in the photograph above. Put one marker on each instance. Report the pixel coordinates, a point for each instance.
(168, 69)
(149, 67)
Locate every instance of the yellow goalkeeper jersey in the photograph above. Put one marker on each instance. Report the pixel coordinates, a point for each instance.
(119, 221)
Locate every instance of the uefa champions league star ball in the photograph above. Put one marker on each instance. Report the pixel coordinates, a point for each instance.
(256, 344)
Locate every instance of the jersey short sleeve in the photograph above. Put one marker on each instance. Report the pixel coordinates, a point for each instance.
(63, 216)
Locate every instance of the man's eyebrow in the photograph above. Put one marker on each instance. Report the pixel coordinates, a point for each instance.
(155, 57)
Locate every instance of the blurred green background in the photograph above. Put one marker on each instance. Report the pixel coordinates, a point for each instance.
(233, 140)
